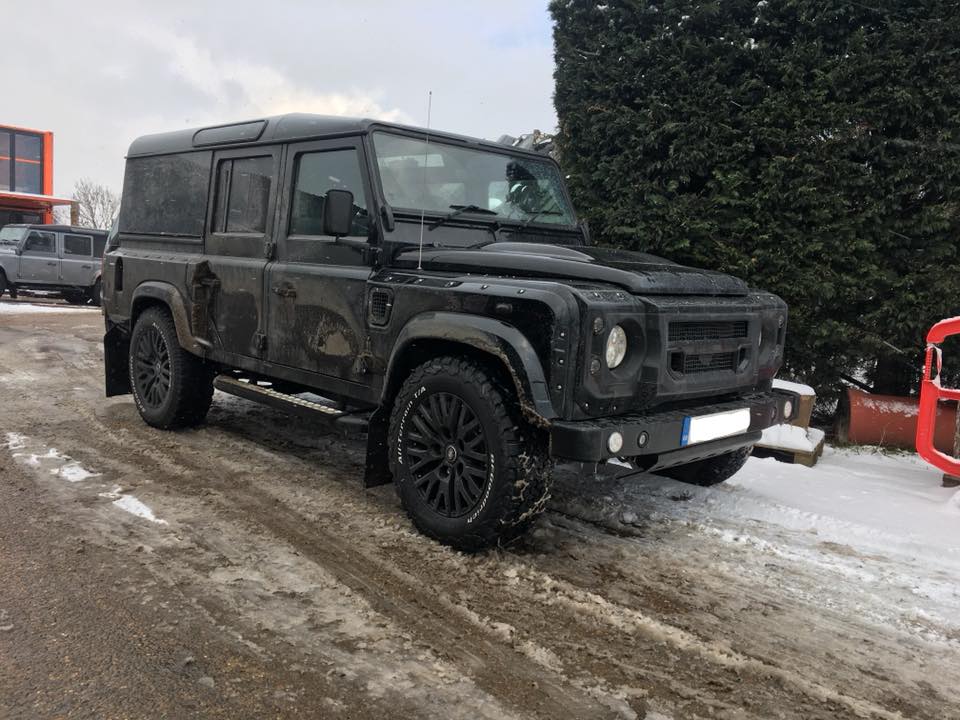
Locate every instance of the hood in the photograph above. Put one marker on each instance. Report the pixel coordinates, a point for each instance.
(637, 273)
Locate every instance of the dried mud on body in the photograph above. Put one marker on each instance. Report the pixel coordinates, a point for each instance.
(262, 580)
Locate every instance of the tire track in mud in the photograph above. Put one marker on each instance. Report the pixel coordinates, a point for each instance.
(587, 646)
(405, 602)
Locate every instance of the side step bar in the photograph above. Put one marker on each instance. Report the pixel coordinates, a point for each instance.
(339, 420)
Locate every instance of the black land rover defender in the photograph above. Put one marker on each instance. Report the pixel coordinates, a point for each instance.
(439, 292)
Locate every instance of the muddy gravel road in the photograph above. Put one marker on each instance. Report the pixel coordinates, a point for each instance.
(240, 570)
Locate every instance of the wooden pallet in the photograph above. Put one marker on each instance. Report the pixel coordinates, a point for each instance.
(797, 457)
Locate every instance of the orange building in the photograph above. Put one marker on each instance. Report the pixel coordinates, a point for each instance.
(26, 176)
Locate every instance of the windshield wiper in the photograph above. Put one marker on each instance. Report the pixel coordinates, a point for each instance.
(542, 211)
(460, 210)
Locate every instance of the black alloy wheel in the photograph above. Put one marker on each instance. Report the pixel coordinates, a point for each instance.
(447, 450)
(152, 367)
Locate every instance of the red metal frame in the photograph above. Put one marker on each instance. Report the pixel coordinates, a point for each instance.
(931, 392)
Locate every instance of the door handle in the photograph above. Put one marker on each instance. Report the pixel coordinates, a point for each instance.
(51, 263)
(86, 267)
(285, 290)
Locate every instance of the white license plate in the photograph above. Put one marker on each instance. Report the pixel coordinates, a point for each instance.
(710, 427)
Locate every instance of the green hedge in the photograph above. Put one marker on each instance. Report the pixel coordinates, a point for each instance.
(809, 147)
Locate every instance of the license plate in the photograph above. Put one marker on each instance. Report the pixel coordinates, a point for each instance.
(704, 428)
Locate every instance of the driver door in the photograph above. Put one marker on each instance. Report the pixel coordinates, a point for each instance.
(39, 262)
(316, 288)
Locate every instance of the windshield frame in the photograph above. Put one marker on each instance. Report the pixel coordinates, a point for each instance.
(469, 144)
(13, 240)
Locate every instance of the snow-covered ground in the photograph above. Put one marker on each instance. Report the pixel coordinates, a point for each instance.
(24, 308)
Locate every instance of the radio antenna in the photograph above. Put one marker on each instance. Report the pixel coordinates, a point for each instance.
(423, 194)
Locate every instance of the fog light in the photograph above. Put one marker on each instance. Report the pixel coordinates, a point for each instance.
(615, 442)
(787, 409)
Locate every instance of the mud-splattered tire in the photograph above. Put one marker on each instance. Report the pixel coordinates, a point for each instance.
(711, 471)
(469, 471)
(171, 387)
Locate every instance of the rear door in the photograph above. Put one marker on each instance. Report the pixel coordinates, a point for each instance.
(39, 262)
(76, 261)
(316, 287)
(237, 244)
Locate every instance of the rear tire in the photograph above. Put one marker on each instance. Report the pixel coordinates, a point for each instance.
(75, 297)
(469, 471)
(96, 294)
(3, 282)
(171, 387)
(711, 471)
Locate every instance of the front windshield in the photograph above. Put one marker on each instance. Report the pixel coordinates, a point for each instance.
(438, 178)
(10, 235)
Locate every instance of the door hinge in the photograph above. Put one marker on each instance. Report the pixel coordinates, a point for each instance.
(269, 250)
(260, 341)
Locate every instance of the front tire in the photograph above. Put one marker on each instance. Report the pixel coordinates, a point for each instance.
(711, 471)
(171, 387)
(469, 471)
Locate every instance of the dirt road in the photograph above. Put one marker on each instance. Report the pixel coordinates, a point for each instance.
(239, 570)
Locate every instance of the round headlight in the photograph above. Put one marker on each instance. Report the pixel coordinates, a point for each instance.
(616, 346)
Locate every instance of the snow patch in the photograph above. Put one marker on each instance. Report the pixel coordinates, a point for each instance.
(798, 388)
(21, 308)
(73, 472)
(130, 504)
(790, 437)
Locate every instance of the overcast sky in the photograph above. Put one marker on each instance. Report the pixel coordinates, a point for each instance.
(98, 74)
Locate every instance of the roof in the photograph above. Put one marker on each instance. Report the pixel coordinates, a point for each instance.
(60, 228)
(283, 128)
(31, 200)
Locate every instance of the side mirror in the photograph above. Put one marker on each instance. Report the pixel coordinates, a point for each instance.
(338, 213)
(18, 249)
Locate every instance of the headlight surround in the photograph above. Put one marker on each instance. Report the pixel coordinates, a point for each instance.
(616, 347)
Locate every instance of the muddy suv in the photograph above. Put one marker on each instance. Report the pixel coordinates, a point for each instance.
(57, 258)
(439, 294)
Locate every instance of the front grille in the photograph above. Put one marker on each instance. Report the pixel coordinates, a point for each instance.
(708, 362)
(698, 331)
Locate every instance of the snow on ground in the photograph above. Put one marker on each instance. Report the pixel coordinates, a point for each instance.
(22, 308)
(877, 529)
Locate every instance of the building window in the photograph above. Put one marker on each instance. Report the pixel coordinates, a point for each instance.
(22, 171)
(243, 195)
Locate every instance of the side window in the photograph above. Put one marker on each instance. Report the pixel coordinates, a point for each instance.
(166, 194)
(98, 244)
(77, 245)
(40, 242)
(316, 174)
(243, 195)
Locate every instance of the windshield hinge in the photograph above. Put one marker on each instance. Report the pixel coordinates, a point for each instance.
(260, 342)
(270, 250)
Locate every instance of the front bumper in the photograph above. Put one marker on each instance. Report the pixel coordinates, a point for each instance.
(656, 439)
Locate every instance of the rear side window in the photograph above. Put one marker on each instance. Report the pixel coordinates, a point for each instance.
(243, 194)
(317, 174)
(77, 245)
(98, 245)
(166, 195)
(43, 242)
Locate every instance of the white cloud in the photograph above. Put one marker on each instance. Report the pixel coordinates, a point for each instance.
(240, 88)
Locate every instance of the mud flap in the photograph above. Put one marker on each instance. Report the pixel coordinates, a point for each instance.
(116, 356)
(378, 467)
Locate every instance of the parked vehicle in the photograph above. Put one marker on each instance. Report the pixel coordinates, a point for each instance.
(440, 292)
(60, 258)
